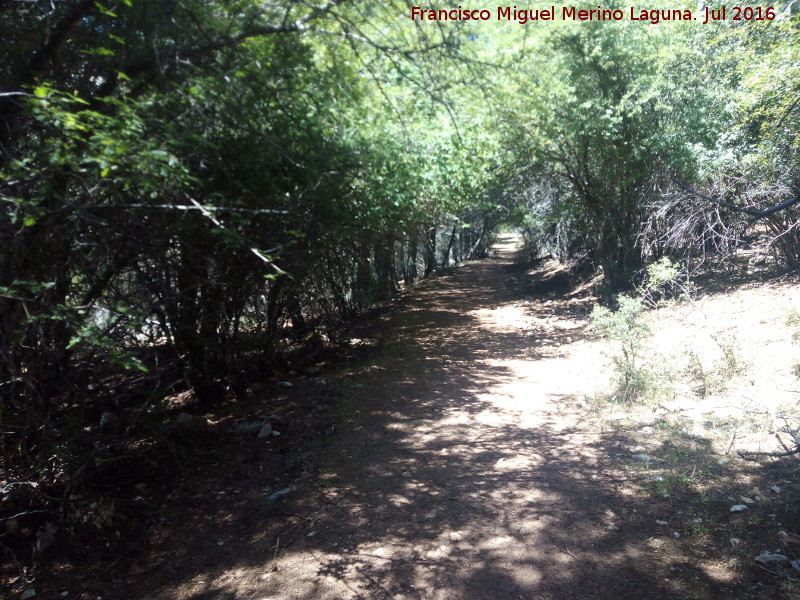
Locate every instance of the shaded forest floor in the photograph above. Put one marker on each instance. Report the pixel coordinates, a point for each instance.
(465, 453)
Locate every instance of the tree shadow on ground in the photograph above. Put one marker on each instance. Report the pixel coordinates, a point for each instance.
(458, 474)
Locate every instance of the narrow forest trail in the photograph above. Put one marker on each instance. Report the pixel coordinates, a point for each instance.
(467, 466)
(470, 469)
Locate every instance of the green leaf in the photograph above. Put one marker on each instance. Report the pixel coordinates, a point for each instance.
(99, 52)
(104, 10)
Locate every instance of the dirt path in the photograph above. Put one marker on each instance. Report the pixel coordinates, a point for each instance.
(466, 466)
(470, 470)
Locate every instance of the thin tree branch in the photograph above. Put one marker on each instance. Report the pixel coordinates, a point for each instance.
(754, 213)
(206, 213)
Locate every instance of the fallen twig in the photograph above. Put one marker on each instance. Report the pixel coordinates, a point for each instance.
(730, 442)
(747, 455)
(789, 451)
(281, 493)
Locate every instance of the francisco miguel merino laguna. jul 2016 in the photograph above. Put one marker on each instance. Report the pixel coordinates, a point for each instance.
(572, 13)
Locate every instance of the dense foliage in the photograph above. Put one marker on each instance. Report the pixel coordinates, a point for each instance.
(192, 188)
(637, 134)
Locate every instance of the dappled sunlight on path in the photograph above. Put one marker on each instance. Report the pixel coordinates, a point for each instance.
(470, 469)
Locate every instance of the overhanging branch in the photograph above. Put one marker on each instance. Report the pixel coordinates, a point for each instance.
(754, 213)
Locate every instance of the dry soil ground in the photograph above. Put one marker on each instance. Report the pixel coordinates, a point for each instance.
(459, 458)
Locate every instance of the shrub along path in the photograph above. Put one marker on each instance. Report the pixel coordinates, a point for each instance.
(465, 464)
(467, 467)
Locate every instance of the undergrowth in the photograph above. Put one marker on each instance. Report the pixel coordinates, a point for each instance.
(637, 378)
(642, 375)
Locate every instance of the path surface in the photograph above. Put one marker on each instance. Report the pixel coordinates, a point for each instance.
(467, 467)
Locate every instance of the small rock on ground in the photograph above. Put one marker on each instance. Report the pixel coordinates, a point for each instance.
(246, 427)
(768, 558)
(191, 423)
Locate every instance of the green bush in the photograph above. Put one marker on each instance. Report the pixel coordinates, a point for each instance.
(625, 327)
(664, 280)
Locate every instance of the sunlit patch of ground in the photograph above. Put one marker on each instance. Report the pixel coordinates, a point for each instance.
(470, 461)
(485, 483)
